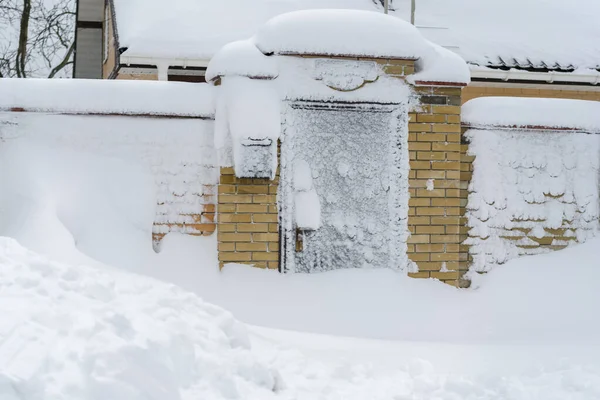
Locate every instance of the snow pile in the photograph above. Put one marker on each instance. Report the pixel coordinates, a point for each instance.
(241, 58)
(306, 199)
(357, 33)
(78, 96)
(532, 191)
(342, 33)
(248, 125)
(438, 64)
(166, 167)
(515, 304)
(525, 112)
(84, 333)
(87, 334)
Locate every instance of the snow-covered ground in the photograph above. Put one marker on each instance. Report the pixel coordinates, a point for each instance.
(78, 332)
(78, 321)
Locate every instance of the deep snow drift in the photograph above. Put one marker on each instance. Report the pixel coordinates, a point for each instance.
(95, 333)
(84, 222)
(77, 332)
(527, 330)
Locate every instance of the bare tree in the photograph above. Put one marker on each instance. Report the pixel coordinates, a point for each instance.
(37, 38)
(382, 2)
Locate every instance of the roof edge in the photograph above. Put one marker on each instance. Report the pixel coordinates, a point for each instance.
(478, 72)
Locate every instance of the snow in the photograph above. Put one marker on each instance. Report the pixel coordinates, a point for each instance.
(71, 331)
(248, 125)
(177, 155)
(438, 64)
(88, 333)
(476, 30)
(308, 210)
(548, 113)
(241, 58)
(77, 332)
(531, 181)
(303, 180)
(307, 206)
(80, 96)
(430, 185)
(340, 32)
(531, 185)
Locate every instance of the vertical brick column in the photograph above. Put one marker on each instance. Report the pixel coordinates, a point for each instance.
(247, 221)
(438, 194)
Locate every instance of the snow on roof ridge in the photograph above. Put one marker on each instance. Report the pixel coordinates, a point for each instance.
(124, 97)
(532, 113)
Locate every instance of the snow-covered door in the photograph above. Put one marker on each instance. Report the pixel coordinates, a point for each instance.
(357, 158)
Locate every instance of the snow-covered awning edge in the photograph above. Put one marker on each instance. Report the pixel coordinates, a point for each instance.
(582, 76)
(524, 113)
(108, 97)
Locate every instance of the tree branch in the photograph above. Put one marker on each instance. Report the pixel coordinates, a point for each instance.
(23, 34)
(65, 61)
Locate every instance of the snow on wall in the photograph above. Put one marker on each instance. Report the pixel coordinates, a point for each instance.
(88, 96)
(248, 125)
(178, 152)
(359, 34)
(509, 111)
(531, 192)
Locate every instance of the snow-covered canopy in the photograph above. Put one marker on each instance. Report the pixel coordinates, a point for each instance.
(107, 97)
(340, 32)
(349, 33)
(519, 33)
(533, 112)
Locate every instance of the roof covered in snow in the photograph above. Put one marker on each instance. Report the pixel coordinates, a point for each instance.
(563, 114)
(106, 97)
(531, 34)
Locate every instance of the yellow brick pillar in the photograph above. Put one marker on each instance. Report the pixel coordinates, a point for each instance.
(247, 220)
(438, 186)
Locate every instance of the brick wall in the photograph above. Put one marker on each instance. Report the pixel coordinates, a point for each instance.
(247, 218)
(438, 194)
(473, 91)
(558, 210)
(247, 208)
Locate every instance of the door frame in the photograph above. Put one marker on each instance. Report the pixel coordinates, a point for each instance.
(398, 152)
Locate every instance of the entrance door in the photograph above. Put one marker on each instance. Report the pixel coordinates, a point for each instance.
(358, 161)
